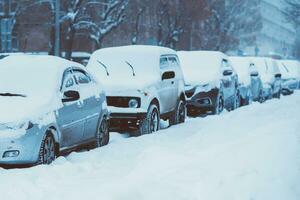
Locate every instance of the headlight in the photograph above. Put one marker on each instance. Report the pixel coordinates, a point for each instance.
(133, 103)
(16, 126)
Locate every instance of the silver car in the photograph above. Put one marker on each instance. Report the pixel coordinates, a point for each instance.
(48, 105)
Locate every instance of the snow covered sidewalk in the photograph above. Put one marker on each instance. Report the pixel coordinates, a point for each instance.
(250, 154)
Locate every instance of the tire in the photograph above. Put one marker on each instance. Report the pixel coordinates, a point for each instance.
(102, 135)
(261, 97)
(47, 152)
(220, 105)
(151, 123)
(179, 114)
(237, 101)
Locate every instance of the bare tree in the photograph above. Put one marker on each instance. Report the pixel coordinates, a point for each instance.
(136, 31)
(229, 23)
(169, 23)
(104, 20)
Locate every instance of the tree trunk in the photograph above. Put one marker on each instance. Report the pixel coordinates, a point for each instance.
(69, 44)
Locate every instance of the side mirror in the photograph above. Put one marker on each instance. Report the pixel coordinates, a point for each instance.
(254, 74)
(70, 96)
(168, 75)
(227, 72)
(278, 76)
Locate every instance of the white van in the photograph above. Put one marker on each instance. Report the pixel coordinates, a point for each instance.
(143, 84)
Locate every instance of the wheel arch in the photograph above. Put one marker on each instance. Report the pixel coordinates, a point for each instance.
(155, 102)
(53, 131)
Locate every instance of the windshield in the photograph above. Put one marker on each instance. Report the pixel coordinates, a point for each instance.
(26, 81)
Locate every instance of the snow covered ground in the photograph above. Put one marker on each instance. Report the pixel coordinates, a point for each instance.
(249, 154)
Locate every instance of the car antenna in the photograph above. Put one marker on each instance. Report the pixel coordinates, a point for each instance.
(133, 73)
(104, 66)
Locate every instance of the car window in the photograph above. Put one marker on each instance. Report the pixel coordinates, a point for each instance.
(82, 77)
(68, 80)
(173, 61)
(164, 62)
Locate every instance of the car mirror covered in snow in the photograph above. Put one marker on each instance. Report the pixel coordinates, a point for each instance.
(70, 96)
(254, 73)
(227, 72)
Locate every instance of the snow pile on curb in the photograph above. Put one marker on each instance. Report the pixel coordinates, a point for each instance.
(248, 154)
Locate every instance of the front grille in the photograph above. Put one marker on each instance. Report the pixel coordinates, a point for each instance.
(121, 102)
(190, 93)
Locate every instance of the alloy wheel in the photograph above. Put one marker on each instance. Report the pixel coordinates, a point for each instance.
(48, 150)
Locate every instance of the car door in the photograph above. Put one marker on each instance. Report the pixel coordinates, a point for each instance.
(174, 65)
(92, 102)
(69, 117)
(227, 80)
(166, 88)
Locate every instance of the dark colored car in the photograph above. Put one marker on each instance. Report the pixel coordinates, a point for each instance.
(211, 82)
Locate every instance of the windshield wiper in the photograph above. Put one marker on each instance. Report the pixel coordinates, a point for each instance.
(133, 72)
(104, 66)
(12, 95)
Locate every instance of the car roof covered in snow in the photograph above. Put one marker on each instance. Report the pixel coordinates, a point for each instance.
(37, 73)
(128, 66)
(200, 67)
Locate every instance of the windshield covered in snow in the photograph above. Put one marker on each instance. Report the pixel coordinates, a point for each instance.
(242, 67)
(126, 67)
(200, 67)
(292, 66)
(23, 78)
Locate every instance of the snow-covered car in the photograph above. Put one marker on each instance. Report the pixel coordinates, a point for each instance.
(143, 84)
(48, 106)
(211, 82)
(270, 75)
(250, 84)
(290, 70)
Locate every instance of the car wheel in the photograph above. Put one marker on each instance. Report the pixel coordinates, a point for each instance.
(179, 114)
(237, 101)
(47, 151)
(102, 136)
(220, 104)
(152, 121)
(261, 97)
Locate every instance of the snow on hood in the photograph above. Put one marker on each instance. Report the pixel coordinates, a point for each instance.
(242, 67)
(119, 62)
(29, 86)
(200, 67)
(20, 109)
(289, 68)
(267, 67)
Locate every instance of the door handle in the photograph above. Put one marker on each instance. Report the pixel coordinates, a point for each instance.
(172, 82)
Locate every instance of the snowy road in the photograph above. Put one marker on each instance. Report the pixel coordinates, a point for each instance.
(250, 154)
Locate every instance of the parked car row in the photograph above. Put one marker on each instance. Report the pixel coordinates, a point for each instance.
(50, 105)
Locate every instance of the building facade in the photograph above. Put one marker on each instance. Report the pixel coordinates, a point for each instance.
(277, 36)
(7, 12)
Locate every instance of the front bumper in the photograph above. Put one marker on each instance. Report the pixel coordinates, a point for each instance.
(124, 118)
(205, 101)
(288, 86)
(27, 144)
